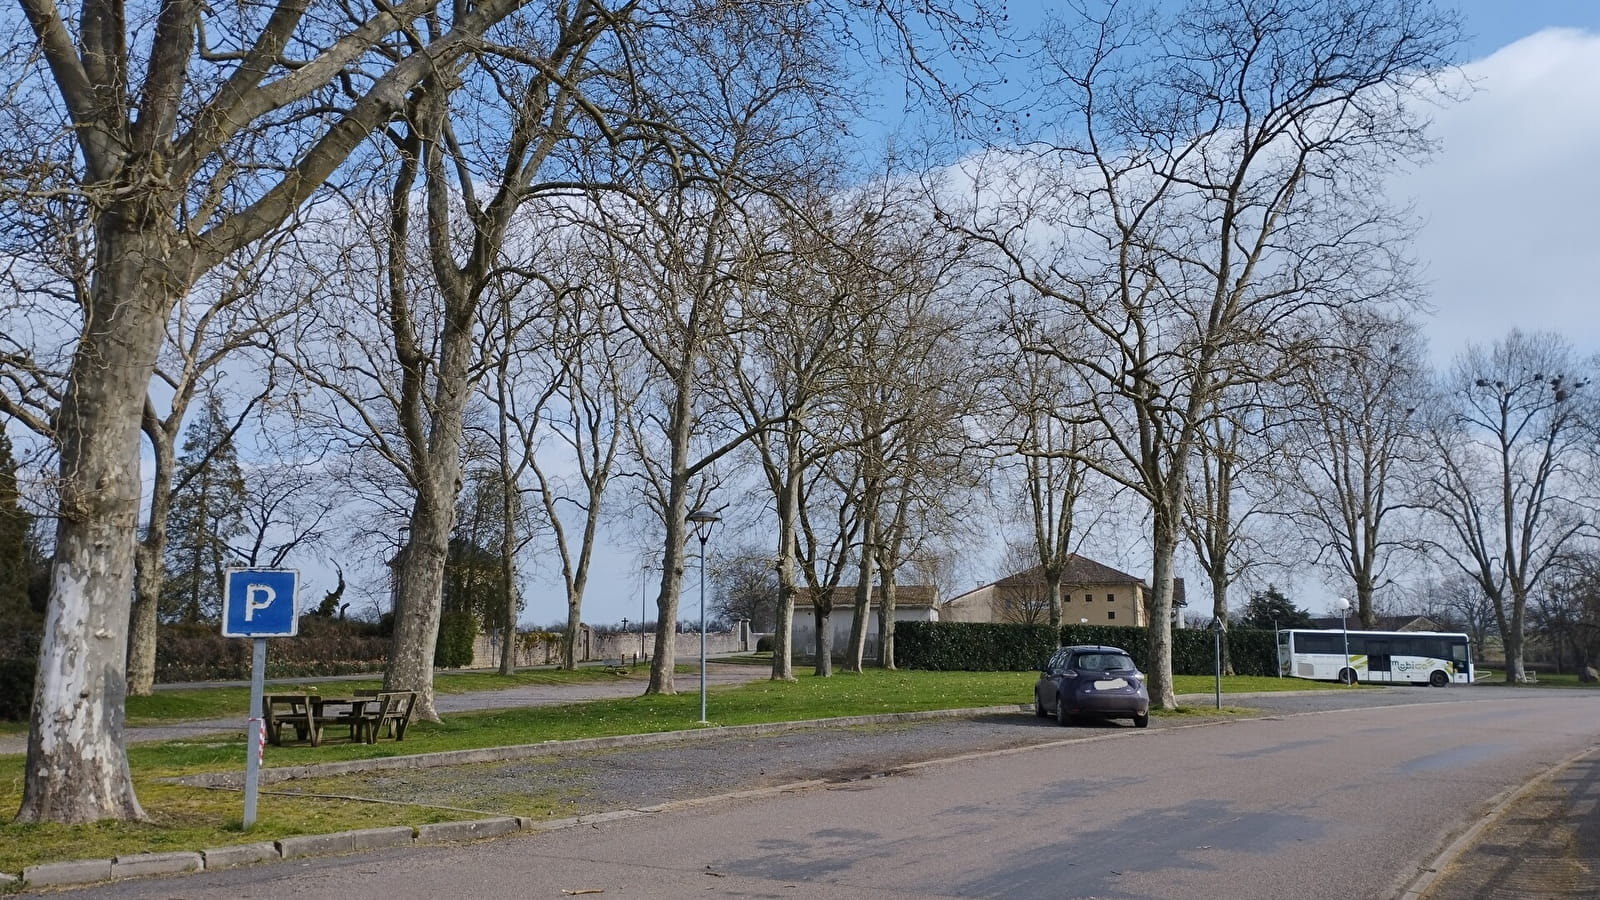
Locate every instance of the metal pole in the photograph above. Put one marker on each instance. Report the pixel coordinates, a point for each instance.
(254, 739)
(644, 585)
(1216, 658)
(1344, 620)
(703, 630)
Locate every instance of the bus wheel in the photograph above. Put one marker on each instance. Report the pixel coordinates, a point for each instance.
(1347, 676)
(1438, 678)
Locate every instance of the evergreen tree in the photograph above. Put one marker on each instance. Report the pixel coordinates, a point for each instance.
(207, 505)
(16, 552)
(475, 590)
(1270, 608)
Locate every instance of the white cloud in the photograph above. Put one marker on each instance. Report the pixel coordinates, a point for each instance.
(1512, 200)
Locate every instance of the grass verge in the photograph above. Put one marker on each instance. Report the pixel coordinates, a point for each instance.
(195, 818)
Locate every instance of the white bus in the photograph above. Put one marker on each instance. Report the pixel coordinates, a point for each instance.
(1418, 657)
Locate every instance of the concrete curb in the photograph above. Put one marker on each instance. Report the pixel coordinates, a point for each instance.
(1417, 886)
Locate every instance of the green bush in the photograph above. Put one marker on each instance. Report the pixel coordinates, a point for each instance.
(993, 647)
(457, 631)
(323, 647)
(16, 688)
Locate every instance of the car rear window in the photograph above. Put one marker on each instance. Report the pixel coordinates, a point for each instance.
(1103, 662)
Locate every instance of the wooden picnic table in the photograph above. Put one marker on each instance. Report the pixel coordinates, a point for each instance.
(309, 713)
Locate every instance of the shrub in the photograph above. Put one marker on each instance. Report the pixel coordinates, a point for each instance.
(323, 647)
(457, 631)
(994, 647)
(16, 687)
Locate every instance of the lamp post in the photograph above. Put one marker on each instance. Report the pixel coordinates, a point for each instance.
(644, 585)
(1216, 655)
(625, 631)
(1342, 607)
(702, 520)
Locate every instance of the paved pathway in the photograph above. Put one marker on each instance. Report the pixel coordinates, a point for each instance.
(506, 698)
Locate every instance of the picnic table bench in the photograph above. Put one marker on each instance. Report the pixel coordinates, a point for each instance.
(366, 712)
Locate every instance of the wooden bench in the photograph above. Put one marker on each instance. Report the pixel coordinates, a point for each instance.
(616, 666)
(388, 710)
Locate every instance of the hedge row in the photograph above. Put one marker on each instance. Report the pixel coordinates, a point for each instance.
(323, 647)
(993, 647)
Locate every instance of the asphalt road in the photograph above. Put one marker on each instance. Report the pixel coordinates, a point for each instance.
(1306, 804)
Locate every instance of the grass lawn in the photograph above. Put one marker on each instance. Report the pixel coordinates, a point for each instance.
(195, 818)
(1545, 680)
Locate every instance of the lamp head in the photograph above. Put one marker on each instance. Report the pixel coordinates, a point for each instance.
(702, 520)
(1342, 607)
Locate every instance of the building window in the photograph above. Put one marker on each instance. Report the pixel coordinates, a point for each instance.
(1111, 614)
(1111, 598)
(1088, 598)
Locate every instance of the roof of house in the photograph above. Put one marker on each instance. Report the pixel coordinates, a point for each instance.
(1381, 623)
(844, 596)
(1079, 571)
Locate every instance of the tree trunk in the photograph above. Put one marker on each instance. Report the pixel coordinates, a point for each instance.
(1516, 672)
(417, 603)
(886, 620)
(824, 641)
(77, 767)
(569, 638)
(856, 653)
(783, 627)
(679, 423)
(1052, 592)
(1159, 636)
(1219, 611)
(149, 565)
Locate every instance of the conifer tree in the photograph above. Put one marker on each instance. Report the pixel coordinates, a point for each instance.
(206, 514)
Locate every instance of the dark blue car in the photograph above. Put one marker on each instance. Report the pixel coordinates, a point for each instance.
(1093, 681)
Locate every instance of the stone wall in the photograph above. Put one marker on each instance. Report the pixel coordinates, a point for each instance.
(544, 648)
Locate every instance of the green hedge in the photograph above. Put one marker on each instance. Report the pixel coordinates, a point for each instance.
(992, 647)
(16, 688)
(457, 631)
(323, 647)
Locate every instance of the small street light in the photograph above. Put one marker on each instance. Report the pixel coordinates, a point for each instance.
(702, 520)
(1342, 607)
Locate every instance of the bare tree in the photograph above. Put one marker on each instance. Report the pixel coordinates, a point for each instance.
(230, 309)
(1351, 412)
(1213, 199)
(570, 350)
(196, 130)
(1510, 440)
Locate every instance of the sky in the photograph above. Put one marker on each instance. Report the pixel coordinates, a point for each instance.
(1509, 206)
(1510, 235)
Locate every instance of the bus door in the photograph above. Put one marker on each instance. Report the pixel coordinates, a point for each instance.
(1379, 662)
(1460, 655)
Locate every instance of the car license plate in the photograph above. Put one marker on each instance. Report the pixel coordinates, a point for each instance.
(1110, 684)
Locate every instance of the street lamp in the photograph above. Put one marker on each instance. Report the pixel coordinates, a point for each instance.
(644, 585)
(1342, 607)
(702, 520)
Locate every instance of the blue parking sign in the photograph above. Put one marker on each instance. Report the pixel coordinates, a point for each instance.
(259, 603)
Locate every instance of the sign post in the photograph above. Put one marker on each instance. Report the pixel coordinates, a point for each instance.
(258, 604)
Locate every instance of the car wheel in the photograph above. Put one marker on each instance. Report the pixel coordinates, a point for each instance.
(1347, 676)
(1062, 716)
(1438, 678)
(1141, 721)
(1038, 704)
